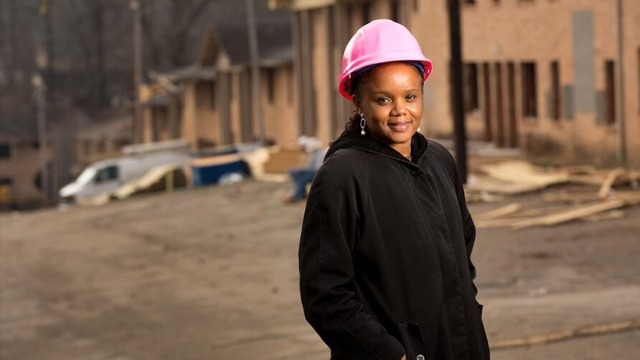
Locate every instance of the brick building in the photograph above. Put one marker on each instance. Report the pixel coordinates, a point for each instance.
(21, 151)
(542, 75)
(211, 102)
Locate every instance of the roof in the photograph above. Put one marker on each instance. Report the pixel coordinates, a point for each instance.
(158, 100)
(21, 123)
(114, 126)
(273, 28)
(192, 72)
(297, 5)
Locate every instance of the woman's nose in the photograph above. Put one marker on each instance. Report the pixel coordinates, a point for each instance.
(399, 108)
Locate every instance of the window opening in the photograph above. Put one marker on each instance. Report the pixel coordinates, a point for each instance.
(471, 102)
(529, 90)
(271, 84)
(486, 87)
(555, 91)
(511, 94)
(5, 151)
(610, 92)
(499, 106)
(212, 94)
(291, 84)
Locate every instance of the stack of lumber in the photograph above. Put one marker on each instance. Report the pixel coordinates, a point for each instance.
(601, 194)
(513, 178)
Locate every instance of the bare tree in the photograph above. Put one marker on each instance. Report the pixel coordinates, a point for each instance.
(88, 42)
(169, 28)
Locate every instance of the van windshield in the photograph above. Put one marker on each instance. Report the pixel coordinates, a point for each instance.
(86, 176)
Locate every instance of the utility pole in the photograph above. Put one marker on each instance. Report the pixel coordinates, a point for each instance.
(255, 71)
(620, 118)
(4, 43)
(12, 30)
(40, 90)
(137, 71)
(98, 26)
(457, 99)
(45, 12)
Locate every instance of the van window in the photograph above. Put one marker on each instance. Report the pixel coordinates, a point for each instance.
(109, 173)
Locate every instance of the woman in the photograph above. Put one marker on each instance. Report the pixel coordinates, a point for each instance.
(385, 269)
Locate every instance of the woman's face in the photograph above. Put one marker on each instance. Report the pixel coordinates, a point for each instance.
(391, 102)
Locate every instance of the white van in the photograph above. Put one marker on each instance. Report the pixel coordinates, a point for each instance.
(104, 177)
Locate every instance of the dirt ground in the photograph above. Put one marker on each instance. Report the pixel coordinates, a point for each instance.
(212, 274)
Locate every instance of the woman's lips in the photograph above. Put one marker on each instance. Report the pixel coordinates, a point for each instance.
(400, 126)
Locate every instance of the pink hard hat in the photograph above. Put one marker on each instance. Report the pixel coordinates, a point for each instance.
(380, 41)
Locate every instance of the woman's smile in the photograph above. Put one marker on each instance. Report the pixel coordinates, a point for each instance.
(399, 126)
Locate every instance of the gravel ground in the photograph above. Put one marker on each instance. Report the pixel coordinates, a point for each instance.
(212, 274)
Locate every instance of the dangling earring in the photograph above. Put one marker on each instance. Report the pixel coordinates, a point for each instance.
(363, 122)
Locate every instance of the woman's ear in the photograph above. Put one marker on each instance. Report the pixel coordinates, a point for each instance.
(358, 104)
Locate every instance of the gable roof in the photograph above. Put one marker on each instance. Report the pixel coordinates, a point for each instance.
(21, 122)
(273, 28)
(191, 72)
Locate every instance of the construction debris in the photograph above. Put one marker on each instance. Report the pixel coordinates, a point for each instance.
(601, 196)
(524, 173)
(572, 214)
(630, 325)
(503, 211)
(479, 184)
(605, 189)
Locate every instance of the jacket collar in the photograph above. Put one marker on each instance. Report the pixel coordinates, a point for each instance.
(419, 145)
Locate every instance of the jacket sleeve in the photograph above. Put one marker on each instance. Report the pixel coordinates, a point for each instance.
(467, 222)
(327, 273)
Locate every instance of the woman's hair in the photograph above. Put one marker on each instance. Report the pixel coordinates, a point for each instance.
(358, 83)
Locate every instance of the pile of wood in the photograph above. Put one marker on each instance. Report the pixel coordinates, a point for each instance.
(569, 194)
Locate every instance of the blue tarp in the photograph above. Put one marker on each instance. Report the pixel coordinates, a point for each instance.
(209, 175)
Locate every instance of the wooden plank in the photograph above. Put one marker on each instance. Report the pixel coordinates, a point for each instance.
(581, 170)
(605, 189)
(598, 179)
(630, 325)
(499, 212)
(631, 198)
(522, 172)
(496, 223)
(570, 197)
(576, 213)
(587, 180)
(486, 184)
(481, 197)
(553, 209)
(613, 214)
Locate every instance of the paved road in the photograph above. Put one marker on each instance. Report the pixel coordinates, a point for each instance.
(212, 274)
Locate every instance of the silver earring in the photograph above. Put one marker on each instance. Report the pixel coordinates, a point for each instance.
(363, 122)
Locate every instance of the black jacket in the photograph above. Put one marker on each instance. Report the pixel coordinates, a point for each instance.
(384, 255)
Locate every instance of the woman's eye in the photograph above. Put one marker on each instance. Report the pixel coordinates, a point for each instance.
(383, 101)
(411, 97)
